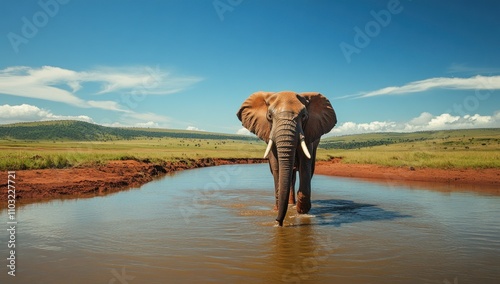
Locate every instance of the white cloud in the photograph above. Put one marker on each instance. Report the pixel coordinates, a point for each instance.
(462, 68)
(113, 124)
(53, 83)
(423, 122)
(243, 131)
(108, 105)
(38, 84)
(140, 80)
(64, 86)
(147, 124)
(478, 82)
(443, 121)
(134, 119)
(194, 128)
(355, 128)
(423, 119)
(26, 113)
(148, 116)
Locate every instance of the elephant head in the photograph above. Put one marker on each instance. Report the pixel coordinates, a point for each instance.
(284, 121)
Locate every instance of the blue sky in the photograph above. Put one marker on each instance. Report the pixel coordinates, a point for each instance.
(385, 65)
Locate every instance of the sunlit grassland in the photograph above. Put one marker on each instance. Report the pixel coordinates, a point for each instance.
(17, 155)
(400, 155)
(460, 149)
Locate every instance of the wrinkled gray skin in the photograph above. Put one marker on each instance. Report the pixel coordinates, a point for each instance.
(287, 118)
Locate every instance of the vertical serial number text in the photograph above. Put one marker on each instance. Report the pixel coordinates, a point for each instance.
(11, 223)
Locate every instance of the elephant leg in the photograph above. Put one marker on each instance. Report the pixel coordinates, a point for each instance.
(304, 192)
(291, 199)
(274, 166)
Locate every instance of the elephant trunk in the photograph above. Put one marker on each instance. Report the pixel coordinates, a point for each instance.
(286, 140)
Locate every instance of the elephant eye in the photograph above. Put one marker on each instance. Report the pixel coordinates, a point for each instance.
(269, 116)
(305, 116)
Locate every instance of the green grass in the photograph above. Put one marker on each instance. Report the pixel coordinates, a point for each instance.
(19, 155)
(427, 159)
(442, 149)
(477, 148)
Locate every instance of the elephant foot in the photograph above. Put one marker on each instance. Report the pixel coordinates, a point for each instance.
(303, 203)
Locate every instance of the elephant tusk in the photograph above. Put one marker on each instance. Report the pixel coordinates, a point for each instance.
(268, 148)
(304, 148)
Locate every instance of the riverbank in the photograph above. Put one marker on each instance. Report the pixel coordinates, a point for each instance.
(32, 185)
(478, 180)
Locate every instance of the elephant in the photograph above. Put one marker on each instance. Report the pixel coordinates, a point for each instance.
(285, 121)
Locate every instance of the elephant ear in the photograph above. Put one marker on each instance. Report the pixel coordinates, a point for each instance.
(322, 117)
(253, 115)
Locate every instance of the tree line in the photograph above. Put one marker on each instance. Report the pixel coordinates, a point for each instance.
(84, 131)
(363, 144)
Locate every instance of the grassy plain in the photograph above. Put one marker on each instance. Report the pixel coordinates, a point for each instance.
(419, 155)
(19, 155)
(443, 149)
(475, 148)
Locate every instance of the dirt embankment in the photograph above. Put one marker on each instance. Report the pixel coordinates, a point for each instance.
(33, 185)
(91, 181)
(479, 180)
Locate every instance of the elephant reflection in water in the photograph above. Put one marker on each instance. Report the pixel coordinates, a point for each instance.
(292, 125)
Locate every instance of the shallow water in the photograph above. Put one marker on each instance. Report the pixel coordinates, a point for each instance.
(215, 225)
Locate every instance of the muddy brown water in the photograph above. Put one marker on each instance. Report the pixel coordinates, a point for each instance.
(215, 225)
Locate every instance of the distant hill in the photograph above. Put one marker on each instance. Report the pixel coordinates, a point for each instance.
(386, 138)
(84, 131)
